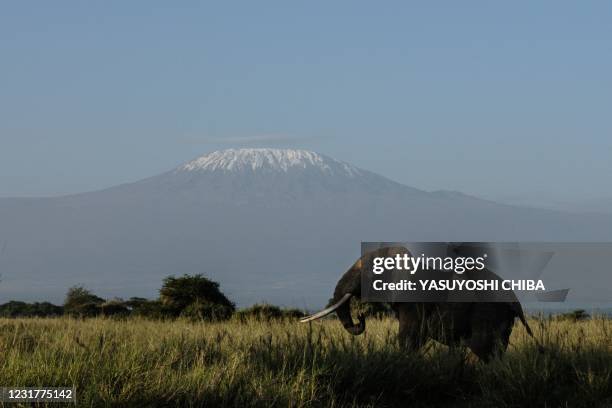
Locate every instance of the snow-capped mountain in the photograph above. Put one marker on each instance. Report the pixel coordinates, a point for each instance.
(276, 172)
(269, 178)
(268, 224)
(266, 160)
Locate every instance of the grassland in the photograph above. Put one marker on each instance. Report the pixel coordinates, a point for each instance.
(178, 363)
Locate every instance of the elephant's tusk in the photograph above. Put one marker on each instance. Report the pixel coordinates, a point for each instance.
(326, 311)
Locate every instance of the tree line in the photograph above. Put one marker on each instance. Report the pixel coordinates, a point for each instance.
(194, 297)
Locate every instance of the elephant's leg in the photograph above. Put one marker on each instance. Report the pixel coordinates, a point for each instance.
(491, 327)
(410, 337)
(482, 345)
(505, 330)
(489, 341)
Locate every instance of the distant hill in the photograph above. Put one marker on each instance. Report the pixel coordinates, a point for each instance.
(268, 224)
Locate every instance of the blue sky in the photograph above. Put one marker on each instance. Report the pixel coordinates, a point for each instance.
(496, 99)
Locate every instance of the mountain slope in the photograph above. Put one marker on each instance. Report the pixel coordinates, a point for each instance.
(269, 224)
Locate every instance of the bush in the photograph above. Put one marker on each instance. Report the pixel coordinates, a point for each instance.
(574, 316)
(293, 313)
(114, 308)
(23, 309)
(90, 309)
(266, 312)
(152, 309)
(178, 293)
(206, 311)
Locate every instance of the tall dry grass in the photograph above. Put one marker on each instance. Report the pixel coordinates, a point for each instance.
(177, 363)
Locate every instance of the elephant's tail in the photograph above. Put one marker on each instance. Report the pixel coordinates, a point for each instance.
(521, 315)
(523, 320)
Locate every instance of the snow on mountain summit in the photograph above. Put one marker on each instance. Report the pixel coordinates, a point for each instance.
(277, 160)
(270, 177)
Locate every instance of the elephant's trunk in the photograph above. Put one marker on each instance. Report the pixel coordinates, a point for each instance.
(348, 286)
(344, 314)
(350, 283)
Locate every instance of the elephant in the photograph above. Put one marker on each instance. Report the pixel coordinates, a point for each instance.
(484, 327)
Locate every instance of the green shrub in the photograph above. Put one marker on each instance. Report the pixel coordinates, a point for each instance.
(114, 308)
(293, 313)
(90, 309)
(151, 309)
(266, 312)
(574, 316)
(206, 311)
(23, 309)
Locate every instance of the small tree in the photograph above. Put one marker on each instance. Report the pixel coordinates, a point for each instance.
(80, 301)
(152, 309)
(179, 293)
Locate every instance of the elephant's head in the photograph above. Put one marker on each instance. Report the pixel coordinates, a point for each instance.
(348, 286)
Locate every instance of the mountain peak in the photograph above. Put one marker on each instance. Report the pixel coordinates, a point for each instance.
(267, 159)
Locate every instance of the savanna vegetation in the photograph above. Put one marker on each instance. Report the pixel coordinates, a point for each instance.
(193, 297)
(191, 347)
(247, 362)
